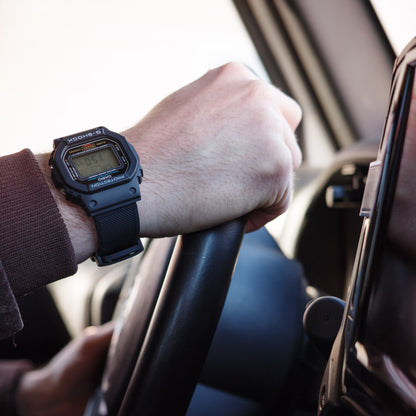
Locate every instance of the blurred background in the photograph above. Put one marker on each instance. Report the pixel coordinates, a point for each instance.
(67, 66)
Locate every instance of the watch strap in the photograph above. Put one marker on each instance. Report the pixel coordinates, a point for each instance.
(118, 234)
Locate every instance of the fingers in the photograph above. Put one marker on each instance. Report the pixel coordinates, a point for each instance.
(100, 332)
(292, 115)
(290, 109)
(284, 105)
(292, 144)
(96, 339)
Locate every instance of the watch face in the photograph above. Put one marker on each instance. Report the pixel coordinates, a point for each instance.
(96, 162)
(97, 169)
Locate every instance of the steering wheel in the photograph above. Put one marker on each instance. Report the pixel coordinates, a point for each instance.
(168, 313)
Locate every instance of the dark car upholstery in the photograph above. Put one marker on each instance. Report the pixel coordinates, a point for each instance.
(259, 336)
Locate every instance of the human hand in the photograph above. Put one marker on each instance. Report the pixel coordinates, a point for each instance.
(64, 385)
(215, 150)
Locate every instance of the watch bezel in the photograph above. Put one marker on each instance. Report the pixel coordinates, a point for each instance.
(66, 176)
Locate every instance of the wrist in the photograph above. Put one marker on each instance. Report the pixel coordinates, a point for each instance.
(99, 171)
(80, 226)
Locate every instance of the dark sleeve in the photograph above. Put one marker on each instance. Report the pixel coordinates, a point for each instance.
(10, 374)
(35, 248)
(10, 319)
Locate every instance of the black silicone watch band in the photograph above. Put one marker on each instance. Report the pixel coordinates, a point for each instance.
(118, 234)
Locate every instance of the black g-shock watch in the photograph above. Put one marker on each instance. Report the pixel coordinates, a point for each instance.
(99, 170)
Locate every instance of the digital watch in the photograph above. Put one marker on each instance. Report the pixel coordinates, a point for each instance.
(99, 170)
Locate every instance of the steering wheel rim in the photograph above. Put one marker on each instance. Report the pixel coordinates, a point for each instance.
(172, 337)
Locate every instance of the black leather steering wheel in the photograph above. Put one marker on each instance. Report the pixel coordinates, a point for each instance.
(167, 323)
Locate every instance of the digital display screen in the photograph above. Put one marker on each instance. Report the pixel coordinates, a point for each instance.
(95, 162)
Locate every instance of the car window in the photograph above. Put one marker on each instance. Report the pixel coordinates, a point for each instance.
(69, 66)
(398, 20)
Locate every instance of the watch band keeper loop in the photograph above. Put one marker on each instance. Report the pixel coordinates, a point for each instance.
(108, 259)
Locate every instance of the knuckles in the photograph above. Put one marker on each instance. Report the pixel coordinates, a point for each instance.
(233, 70)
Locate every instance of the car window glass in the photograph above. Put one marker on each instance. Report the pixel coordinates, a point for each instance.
(398, 19)
(68, 66)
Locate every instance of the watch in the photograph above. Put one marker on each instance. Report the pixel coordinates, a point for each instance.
(100, 171)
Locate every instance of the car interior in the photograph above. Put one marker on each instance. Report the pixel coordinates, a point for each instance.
(225, 323)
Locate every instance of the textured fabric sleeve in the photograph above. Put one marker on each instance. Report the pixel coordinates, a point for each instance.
(10, 318)
(10, 374)
(35, 248)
